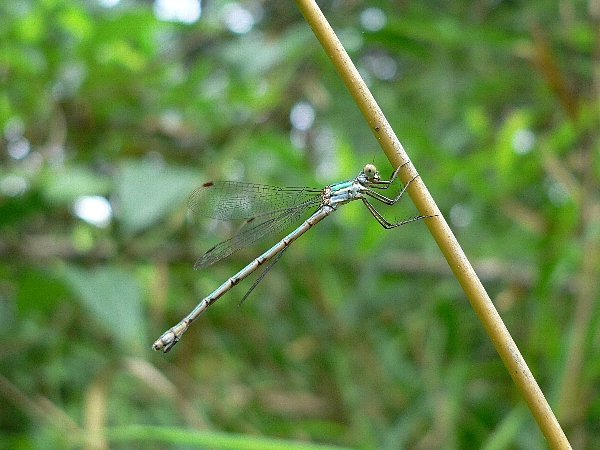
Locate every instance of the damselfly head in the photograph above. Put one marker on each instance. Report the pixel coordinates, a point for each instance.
(371, 173)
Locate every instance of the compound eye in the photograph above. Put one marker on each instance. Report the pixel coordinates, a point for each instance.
(370, 171)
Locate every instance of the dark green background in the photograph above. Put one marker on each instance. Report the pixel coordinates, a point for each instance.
(358, 337)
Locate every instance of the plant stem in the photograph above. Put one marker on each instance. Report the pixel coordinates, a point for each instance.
(439, 228)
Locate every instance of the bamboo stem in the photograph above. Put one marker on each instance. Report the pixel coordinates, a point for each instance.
(439, 228)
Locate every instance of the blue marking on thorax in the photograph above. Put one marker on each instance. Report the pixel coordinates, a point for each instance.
(344, 192)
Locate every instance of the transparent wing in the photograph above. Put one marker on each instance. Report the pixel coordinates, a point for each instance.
(230, 200)
(255, 231)
(266, 210)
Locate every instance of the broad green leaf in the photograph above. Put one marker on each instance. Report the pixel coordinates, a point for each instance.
(148, 191)
(112, 297)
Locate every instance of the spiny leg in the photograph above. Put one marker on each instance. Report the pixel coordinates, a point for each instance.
(384, 222)
(386, 200)
(271, 264)
(384, 184)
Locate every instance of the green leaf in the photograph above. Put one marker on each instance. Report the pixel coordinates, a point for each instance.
(148, 191)
(113, 298)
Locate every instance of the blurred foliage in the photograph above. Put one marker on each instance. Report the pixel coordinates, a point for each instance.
(358, 337)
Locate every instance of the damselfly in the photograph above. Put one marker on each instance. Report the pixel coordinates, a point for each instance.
(267, 210)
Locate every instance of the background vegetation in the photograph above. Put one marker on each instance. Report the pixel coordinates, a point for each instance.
(358, 337)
